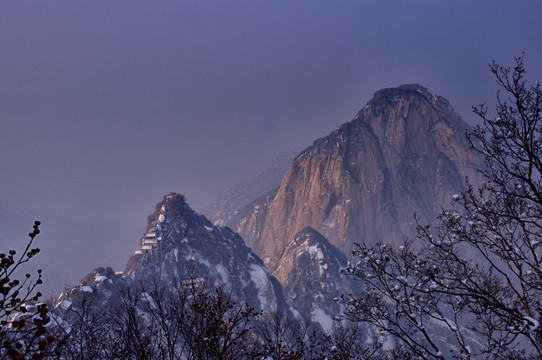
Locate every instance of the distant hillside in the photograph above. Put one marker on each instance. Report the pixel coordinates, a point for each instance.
(230, 201)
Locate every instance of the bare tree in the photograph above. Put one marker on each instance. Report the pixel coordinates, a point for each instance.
(84, 331)
(281, 335)
(23, 332)
(477, 276)
(131, 335)
(166, 307)
(354, 341)
(215, 325)
(178, 319)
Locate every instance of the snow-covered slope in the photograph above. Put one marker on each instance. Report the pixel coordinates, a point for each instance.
(309, 269)
(180, 244)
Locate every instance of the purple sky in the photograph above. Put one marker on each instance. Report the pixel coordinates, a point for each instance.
(105, 106)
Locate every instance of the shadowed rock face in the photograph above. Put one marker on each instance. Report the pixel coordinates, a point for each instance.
(404, 152)
(187, 243)
(309, 266)
(180, 245)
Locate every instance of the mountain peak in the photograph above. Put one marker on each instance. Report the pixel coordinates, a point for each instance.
(416, 87)
(401, 91)
(404, 152)
(173, 206)
(309, 235)
(178, 243)
(308, 267)
(404, 89)
(178, 200)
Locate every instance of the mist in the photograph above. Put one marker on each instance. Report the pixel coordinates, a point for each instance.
(107, 106)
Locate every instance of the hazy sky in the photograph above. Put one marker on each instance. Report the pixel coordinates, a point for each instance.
(105, 106)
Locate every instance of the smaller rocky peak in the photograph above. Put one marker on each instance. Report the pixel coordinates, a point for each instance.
(309, 236)
(178, 241)
(169, 227)
(175, 200)
(174, 213)
(308, 268)
(308, 244)
(174, 205)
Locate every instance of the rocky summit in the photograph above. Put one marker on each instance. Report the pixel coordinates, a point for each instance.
(180, 244)
(405, 152)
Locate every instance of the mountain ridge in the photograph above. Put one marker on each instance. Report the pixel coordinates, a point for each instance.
(230, 201)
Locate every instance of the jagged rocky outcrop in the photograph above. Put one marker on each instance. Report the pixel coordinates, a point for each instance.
(309, 267)
(226, 206)
(180, 244)
(189, 243)
(404, 152)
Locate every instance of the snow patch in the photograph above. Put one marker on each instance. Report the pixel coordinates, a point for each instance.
(532, 323)
(65, 304)
(85, 288)
(260, 280)
(222, 273)
(176, 254)
(315, 250)
(320, 316)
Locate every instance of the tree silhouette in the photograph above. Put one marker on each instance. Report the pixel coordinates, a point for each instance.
(23, 321)
(476, 279)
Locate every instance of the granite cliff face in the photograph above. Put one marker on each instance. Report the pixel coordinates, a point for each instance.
(404, 152)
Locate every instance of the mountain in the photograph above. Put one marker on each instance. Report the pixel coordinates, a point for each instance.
(230, 201)
(404, 152)
(180, 244)
(309, 269)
